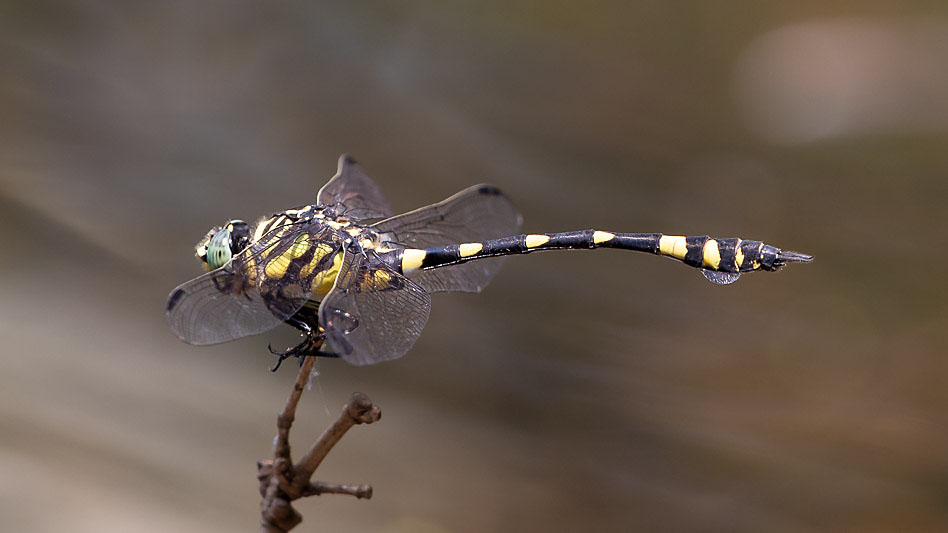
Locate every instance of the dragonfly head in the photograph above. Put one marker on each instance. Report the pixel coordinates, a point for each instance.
(222, 243)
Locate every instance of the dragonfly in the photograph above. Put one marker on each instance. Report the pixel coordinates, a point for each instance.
(355, 279)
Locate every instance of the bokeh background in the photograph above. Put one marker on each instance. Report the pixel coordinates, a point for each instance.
(584, 391)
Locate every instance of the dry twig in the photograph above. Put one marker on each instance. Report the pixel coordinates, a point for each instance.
(282, 482)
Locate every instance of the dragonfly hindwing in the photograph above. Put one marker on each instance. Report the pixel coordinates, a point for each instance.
(476, 214)
(372, 313)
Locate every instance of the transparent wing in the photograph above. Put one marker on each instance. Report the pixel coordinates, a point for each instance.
(476, 214)
(373, 313)
(255, 291)
(217, 307)
(353, 189)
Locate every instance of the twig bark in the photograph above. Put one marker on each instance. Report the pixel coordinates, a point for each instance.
(282, 482)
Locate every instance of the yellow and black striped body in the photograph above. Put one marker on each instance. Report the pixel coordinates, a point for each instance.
(731, 255)
(308, 266)
(311, 263)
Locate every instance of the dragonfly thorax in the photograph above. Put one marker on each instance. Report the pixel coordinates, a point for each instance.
(300, 250)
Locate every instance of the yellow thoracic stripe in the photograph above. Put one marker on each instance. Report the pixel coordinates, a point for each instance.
(711, 255)
(412, 259)
(323, 281)
(276, 268)
(258, 231)
(532, 241)
(600, 237)
(469, 249)
(275, 231)
(299, 247)
(738, 254)
(673, 245)
(318, 254)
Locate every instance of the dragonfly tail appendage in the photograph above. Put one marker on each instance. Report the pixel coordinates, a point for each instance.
(784, 257)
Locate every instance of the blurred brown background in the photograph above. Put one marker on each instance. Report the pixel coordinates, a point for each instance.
(601, 391)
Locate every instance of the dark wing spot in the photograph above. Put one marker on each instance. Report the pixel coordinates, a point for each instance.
(489, 190)
(173, 299)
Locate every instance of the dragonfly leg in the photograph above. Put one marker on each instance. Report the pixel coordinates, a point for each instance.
(312, 341)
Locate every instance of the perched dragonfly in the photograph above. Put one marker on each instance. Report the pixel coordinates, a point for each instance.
(355, 280)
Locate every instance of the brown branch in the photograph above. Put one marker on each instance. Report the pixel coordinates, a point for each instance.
(359, 410)
(281, 482)
(318, 487)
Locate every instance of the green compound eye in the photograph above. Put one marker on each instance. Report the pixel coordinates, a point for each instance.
(218, 249)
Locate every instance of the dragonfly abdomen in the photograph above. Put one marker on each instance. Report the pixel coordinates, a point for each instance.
(731, 255)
